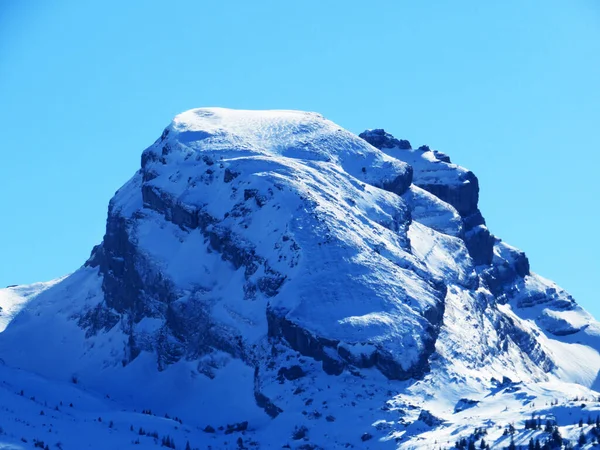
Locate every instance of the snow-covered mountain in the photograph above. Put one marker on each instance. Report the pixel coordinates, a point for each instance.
(268, 279)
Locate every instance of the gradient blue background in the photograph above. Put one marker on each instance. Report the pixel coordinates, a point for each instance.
(508, 89)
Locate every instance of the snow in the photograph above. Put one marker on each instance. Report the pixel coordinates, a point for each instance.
(428, 169)
(309, 173)
(289, 134)
(14, 299)
(430, 211)
(363, 264)
(440, 253)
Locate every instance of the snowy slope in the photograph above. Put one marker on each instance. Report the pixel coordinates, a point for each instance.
(14, 298)
(270, 279)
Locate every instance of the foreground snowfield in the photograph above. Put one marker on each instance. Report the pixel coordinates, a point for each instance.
(268, 279)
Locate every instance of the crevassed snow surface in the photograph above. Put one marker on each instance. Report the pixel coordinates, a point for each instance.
(241, 218)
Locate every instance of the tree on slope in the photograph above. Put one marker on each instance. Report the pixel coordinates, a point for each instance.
(582, 440)
(512, 445)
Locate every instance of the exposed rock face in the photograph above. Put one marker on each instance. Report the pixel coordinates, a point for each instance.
(463, 195)
(380, 139)
(337, 356)
(429, 419)
(509, 266)
(480, 244)
(465, 403)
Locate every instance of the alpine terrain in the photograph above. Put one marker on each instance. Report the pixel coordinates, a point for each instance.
(270, 280)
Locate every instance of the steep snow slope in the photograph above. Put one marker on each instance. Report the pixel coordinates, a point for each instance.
(272, 268)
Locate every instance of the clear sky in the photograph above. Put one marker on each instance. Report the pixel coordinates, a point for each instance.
(509, 89)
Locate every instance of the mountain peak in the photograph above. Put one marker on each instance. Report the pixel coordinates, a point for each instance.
(267, 264)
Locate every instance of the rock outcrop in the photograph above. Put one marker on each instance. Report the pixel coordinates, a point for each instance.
(433, 171)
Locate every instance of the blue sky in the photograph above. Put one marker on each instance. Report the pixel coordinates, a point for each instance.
(508, 89)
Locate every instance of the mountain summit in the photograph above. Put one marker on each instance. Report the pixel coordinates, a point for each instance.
(270, 279)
